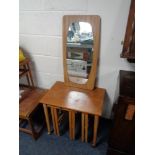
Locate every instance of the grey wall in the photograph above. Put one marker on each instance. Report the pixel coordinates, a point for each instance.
(41, 36)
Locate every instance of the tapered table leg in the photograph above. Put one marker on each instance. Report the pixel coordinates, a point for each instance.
(70, 125)
(53, 120)
(56, 121)
(96, 122)
(82, 126)
(86, 127)
(47, 118)
(73, 125)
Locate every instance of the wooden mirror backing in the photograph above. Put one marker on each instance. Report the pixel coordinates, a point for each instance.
(94, 20)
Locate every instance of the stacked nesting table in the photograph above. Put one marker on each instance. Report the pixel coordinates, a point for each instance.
(73, 100)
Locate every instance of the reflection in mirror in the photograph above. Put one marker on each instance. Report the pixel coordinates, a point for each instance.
(79, 51)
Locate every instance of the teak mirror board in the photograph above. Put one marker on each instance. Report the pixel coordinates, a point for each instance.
(81, 43)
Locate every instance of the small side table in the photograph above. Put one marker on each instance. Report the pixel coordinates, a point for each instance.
(73, 100)
(29, 100)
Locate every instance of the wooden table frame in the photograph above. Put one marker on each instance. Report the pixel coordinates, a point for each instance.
(55, 121)
(84, 128)
(53, 101)
(29, 100)
(84, 124)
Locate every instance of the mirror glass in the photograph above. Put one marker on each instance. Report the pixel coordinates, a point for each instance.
(79, 51)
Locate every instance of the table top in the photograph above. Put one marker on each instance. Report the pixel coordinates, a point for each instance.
(71, 98)
(30, 100)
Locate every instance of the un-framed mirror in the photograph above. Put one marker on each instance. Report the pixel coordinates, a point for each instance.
(81, 42)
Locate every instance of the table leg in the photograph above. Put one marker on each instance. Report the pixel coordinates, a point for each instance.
(53, 120)
(73, 125)
(86, 127)
(70, 125)
(56, 121)
(96, 122)
(32, 128)
(47, 118)
(82, 130)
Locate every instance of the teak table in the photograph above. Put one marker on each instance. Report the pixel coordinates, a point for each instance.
(73, 100)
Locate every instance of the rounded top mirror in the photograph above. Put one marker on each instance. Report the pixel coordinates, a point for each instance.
(80, 49)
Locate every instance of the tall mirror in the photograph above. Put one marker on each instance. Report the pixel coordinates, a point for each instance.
(80, 49)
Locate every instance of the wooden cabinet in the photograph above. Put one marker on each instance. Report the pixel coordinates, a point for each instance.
(122, 133)
(129, 40)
